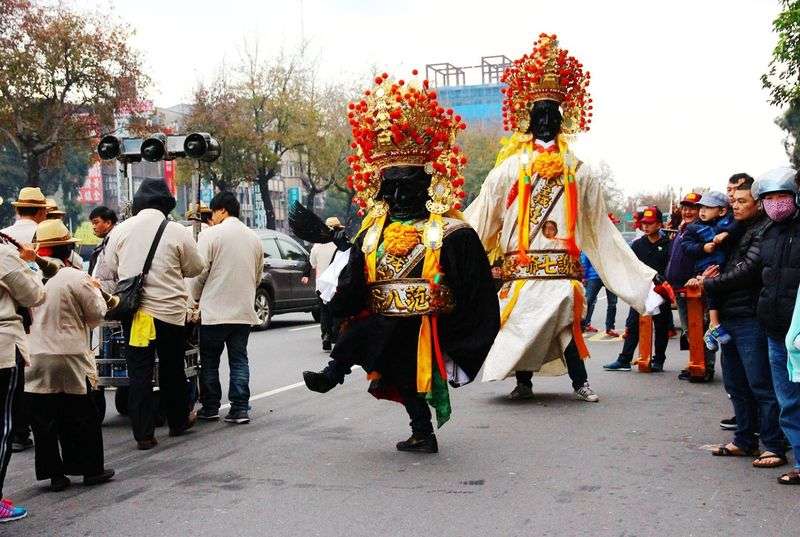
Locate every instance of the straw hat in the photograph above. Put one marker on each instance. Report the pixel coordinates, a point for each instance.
(333, 222)
(53, 233)
(30, 197)
(191, 214)
(52, 209)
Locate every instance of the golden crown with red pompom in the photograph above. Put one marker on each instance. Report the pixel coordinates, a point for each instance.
(547, 73)
(399, 123)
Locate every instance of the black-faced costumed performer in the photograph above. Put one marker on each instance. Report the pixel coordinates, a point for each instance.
(417, 290)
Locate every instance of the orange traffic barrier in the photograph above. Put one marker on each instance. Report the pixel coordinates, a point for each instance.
(645, 343)
(697, 353)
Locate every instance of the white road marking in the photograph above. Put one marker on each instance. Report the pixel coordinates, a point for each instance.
(276, 391)
(303, 327)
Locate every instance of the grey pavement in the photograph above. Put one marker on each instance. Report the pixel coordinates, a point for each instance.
(633, 464)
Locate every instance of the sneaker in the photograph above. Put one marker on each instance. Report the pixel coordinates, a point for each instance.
(237, 416)
(656, 367)
(585, 393)
(207, 415)
(589, 328)
(728, 424)
(720, 334)
(21, 444)
(419, 444)
(684, 375)
(326, 345)
(9, 512)
(616, 365)
(612, 333)
(522, 391)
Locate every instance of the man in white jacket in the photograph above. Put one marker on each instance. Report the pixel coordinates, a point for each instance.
(226, 291)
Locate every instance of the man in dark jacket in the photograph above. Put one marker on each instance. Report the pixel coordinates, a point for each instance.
(653, 250)
(745, 362)
(776, 259)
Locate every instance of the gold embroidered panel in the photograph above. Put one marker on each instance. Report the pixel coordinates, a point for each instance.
(408, 297)
(544, 264)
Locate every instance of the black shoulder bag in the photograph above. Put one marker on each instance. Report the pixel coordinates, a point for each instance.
(129, 290)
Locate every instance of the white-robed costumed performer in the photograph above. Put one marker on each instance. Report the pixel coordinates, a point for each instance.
(537, 179)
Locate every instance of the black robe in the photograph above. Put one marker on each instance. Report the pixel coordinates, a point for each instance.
(388, 345)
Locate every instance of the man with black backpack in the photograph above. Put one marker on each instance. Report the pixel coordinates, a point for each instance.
(158, 323)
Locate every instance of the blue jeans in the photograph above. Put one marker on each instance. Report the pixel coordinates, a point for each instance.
(212, 339)
(593, 287)
(748, 381)
(788, 394)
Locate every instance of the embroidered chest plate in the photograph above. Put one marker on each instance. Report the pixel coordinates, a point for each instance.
(544, 197)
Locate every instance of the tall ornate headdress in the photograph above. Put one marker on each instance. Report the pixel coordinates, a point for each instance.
(399, 123)
(547, 73)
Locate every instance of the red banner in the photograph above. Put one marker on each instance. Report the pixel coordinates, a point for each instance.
(169, 175)
(91, 193)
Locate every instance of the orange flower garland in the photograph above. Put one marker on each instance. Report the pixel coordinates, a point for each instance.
(548, 165)
(400, 239)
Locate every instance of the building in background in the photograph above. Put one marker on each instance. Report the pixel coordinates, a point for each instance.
(472, 91)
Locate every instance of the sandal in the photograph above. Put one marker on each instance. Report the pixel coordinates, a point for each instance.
(760, 461)
(790, 478)
(725, 451)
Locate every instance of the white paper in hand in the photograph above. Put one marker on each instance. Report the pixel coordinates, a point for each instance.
(328, 281)
(652, 302)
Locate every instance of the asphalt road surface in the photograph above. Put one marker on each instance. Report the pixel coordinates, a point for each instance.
(634, 464)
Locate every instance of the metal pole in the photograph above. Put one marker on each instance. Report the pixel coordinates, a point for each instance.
(196, 191)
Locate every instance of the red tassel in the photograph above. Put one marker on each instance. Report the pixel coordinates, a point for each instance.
(437, 351)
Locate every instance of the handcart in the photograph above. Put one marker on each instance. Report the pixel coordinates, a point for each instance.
(112, 368)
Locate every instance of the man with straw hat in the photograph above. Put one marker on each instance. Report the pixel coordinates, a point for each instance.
(63, 374)
(54, 213)
(31, 208)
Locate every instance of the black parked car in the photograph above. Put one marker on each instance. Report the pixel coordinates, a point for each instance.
(281, 289)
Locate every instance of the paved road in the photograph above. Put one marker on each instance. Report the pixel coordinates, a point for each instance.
(325, 465)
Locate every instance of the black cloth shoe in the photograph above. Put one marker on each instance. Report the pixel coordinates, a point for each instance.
(419, 444)
(318, 382)
(326, 345)
(98, 479)
(684, 375)
(657, 367)
(59, 483)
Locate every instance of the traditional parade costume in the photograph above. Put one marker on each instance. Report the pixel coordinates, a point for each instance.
(534, 181)
(417, 290)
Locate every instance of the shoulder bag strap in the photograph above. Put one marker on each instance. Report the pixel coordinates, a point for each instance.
(153, 247)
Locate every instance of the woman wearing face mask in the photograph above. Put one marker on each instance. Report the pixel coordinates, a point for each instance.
(777, 263)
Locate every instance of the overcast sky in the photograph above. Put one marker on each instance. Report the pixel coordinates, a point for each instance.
(676, 88)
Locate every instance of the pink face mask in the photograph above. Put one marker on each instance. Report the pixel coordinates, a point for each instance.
(779, 209)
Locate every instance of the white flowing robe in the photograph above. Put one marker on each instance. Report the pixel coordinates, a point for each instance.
(539, 328)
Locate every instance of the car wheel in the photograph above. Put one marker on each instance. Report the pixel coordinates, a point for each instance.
(315, 313)
(264, 308)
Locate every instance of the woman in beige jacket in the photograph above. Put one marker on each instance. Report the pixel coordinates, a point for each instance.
(62, 374)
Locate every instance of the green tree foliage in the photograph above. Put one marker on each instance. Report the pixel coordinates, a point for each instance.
(63, 74)
(782, 78)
